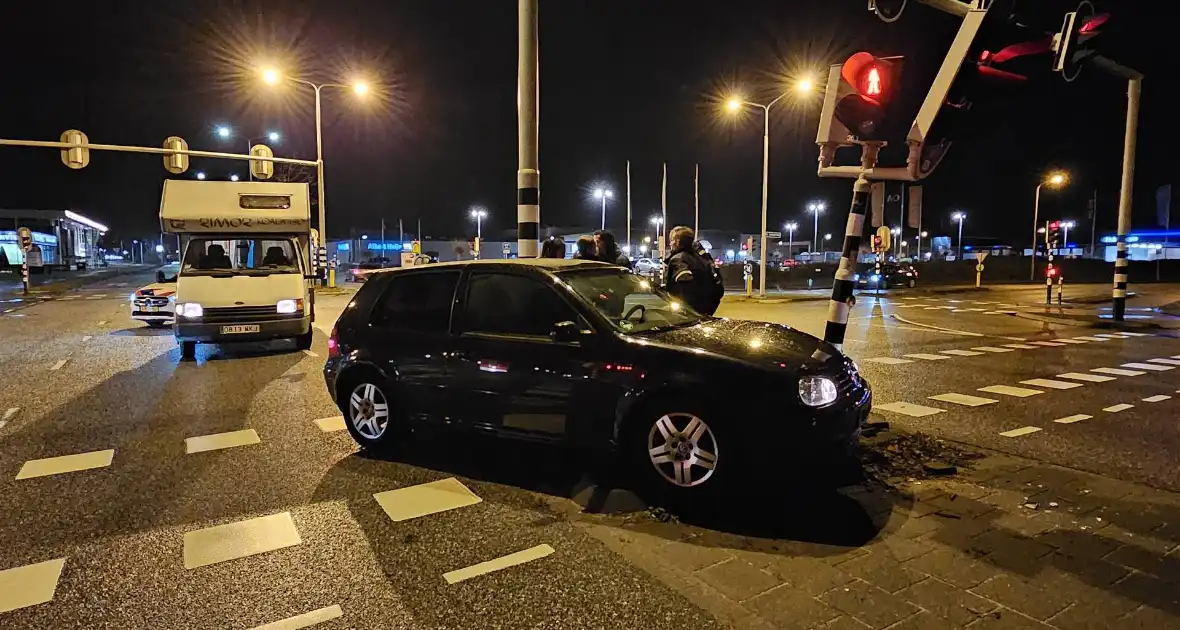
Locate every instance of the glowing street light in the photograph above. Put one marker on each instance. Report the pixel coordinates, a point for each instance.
(603, 194)
(224, 132)
(960, 217)
(816, 207)
(361, 88)
(479, 214)
(1054, 180)
(921, 235)
(1065, 227)
(791, 226)
(804, 85)
(273, 136)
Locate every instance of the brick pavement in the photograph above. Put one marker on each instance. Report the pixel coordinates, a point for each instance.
(1010, 543)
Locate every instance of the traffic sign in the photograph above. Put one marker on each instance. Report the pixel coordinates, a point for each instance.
(882, 241)
(176, 163)
(506, 248)
(979, 267)
(416, 247)
(26, 237)
(980, 256)
(774, 235)
(77, 156)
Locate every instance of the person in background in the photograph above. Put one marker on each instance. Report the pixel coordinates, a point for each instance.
(608, 249)
(689, 276)
(553, 247)
(585, 249)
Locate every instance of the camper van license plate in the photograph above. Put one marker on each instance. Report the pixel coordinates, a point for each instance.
(236, 330)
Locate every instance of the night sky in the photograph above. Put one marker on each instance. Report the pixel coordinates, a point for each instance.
(637, 80)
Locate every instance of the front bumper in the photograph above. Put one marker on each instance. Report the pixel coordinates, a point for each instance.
(203, 332)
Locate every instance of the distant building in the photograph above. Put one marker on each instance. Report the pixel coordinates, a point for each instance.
(65, 238)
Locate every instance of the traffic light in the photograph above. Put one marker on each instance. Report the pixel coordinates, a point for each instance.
(1073, 45)
(866, 86)
(1051, 271)
(1053, 235)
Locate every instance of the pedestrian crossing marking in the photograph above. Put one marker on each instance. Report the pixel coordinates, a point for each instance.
(1092, 338)
(1112, 335)
(424, 499)
(32, 584)
(992, 349)
(928, 357)
(908, 409)
(961, 353)
(59, 365)
(999, 312)
(1117, 408)
(1050, 383)
(888, 360)
(963, 399)
(66, 464)
(1047, 344)
(1072, 419)
(1165, 361)
(1118, 372)
(1149, 366)
(330, 425)
(503, 562)
(968, 310)
(1089, 378)
(1020, 346)
(218, 441)
(305, 620)
(10, 413)
(1008, 390)
(1135, 334)
(239, 540)
(1155, 399)
(1019, 432)
(1073, 341)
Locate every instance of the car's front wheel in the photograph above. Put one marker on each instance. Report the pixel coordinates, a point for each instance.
(676, 454)
(364, 399)
(912, 283)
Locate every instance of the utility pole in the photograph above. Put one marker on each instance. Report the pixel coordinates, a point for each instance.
(1093, 224)
(628, 207)
(528, 177)
(663, 212)
(696, 203)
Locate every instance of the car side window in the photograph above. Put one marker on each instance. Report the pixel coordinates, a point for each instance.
(509, 304)
(417, 302)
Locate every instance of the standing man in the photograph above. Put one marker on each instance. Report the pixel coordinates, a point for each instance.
(689, 275)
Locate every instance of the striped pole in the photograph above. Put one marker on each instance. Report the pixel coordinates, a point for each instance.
(1049, 245)
(528, 177)
(1120, 262)
(843, 285)
(1120, 276)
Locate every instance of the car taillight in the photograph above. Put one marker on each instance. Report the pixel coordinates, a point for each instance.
(333, 344)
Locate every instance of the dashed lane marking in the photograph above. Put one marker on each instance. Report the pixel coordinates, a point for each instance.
(908, 409)
(305, 620)
(1073, 341)
(1050, 383)
(87, 337)
(1092, 338)
(66, 464)
(503, 562)
(329, 425)
(424, 499)
(1117, 408)
(1078, 417)
(961, 353)
(1047, 344)
(1165, 361)
(999, 312)
(310, 353)
(29, 585)
(963, 399)
(1149, 366)
(10, 413)
(1136, 334)
(992, 349)
(218, 441)
(238, 540)
(1019, 432)
(1008, 390)
(982, 303)
(59, 365)
(1089, 378)
(1020, 346)
(1111, 335)
(927, 357)
(1155, 399)
(888, 360)
(1118, 372)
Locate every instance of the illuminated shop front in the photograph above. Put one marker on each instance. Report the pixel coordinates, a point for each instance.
(66, 238)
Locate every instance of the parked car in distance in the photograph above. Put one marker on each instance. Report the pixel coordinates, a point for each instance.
(592, 356)
(892, 275)
(646, 266)
(155, 304)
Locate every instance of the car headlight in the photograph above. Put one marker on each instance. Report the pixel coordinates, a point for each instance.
(817, 391)
(190, 310)
(875, 278)
(855, 277)
(287, 307)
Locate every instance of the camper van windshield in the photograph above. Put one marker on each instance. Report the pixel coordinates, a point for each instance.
(244, 256)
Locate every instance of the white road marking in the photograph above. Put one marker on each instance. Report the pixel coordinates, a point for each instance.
(931, 308)
(908, 409)
(102, 323)
(87, 337)
(961, 353)
(1047, 344)
(982, 303)
(1117, 408)
(310, 353)
(65, 464)
(29, 585)
(1155, 399)
(1021, 431)
(1149, 366)
(1008, 390)
(1072, 419)
(1089, 378)
(1165, 361)
(503, 562)
(59, 365)
(1118, 372)
(1112, 335)
(240, 539)
(932, 327)
(1050, 383)
(954, 301)
(963, 399)
(1136, 334)
(1092, 338)
(888, 360)
(424, 499)
(928, 357)
(328, 425)
(71, 297)
(1020, 346)
(218, 441)
(10, 413)
(305, 620)
(968, 310)
(1073, 341)
(992, 349)
(999, 312)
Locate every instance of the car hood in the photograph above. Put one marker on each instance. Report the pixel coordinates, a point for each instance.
(758, 343)
(161, 289)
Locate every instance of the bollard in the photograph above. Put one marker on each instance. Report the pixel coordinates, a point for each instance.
(1060, 285)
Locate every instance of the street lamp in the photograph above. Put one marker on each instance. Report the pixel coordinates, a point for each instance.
(960, 216)
(224, 132)
(1065, 226)
(921, 235)
(479, 214)
(791, 227)
(233, 177)
(603, 194)
(816, 208)
(1054, 180)
(658, 222)
(896, 232)
(272, 76)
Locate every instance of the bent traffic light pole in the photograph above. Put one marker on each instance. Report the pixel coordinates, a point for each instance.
(842, 287)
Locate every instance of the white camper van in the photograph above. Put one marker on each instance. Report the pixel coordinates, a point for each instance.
(246, 270)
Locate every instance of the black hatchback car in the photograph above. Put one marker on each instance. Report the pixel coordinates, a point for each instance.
(594, 356)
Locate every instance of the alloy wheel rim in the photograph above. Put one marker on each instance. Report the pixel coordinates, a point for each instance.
(683, 449)
(368, 411)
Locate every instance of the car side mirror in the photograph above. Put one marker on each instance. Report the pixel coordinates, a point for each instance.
(566, 332)
(160, 277)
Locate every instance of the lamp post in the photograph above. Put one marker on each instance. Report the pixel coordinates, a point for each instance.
(1065, 225)
(479, 214)
(827, 237)
(816, 207)
(960, 217)
(921, 235)
(659, 222)
(603, 194)
(272, 77)
(896, 232)
(791, 227)
(1054, 180)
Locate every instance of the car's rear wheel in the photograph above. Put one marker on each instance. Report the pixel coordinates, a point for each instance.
(675, 452)
(911, 283)
(364, 399)
(188, 350)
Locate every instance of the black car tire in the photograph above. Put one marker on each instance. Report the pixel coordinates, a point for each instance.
(912, 283)
(303, 342)
(395, 431)
(155, 324)
(188, 351)
(648, 479)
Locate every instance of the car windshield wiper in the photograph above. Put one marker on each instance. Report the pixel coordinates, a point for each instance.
(663, 327)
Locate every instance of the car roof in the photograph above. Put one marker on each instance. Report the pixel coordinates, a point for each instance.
(548, 264)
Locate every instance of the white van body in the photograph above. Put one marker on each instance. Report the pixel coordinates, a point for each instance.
(245, 270)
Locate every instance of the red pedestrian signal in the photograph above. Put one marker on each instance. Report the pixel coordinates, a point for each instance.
(865, 88)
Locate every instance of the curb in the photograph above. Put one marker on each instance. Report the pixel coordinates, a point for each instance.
(776, 299)
(1095, 323)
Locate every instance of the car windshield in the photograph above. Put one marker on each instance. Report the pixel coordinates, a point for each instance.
(240, 256)
(629, 302)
